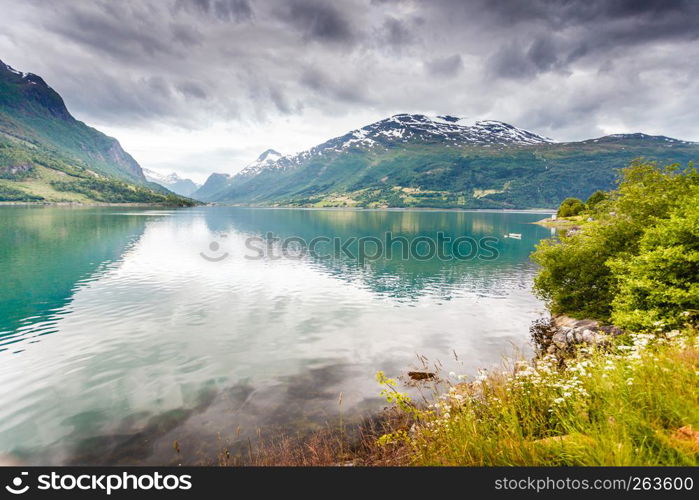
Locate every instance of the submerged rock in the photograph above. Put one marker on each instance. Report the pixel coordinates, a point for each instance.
(421, 375)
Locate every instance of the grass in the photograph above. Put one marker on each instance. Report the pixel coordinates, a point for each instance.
(40, 186)
(636, 404)
(50, 185)
(336, 444)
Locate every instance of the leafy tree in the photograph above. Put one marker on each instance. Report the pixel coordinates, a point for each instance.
(660, 285)
(570, 207)
(595, 198)
(574, 278)
(637, 263)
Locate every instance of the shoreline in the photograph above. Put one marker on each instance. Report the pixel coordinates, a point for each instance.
(397, 209)
(558, 223)
(81, 204)
(461, 426)
(286, 207)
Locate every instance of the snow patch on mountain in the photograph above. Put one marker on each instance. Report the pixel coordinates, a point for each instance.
(400, 129)
(154, 176)
(173, 182)
(430, 129)
(21, 74)
(638, 136)
(268, 160)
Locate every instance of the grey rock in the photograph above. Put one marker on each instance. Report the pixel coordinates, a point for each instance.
(559, 339)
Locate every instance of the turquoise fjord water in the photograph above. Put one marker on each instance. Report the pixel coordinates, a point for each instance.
(123, 329)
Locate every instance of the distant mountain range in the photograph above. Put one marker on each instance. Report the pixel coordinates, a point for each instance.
(412, 160)
(173, 182)
(406, 160)
(47, 155)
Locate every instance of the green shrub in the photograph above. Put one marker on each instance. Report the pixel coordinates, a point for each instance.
(660, 285)
(573, 278)
(570, 207)
(596, 198)
(636, 264)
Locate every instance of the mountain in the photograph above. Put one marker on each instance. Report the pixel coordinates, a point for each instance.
(173, 182)
(444, 161)
(216, 184)
(268, 159)
(214, 187)
(46, 154)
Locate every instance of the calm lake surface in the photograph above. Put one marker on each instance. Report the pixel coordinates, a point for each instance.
(125, 329)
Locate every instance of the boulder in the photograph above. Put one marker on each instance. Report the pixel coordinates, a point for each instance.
(569, 332)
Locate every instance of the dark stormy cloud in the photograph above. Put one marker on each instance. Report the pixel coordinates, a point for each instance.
(204, 85)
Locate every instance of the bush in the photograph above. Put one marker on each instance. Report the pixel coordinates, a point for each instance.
(574, 278)
(660, 285)
(596, 198)
(570, 207)
(637, 263)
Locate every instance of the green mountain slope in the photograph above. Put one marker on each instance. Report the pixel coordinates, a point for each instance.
(213, 188)
(416, 161)
(47, 155)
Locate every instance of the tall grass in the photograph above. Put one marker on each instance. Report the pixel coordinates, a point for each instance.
(636, 403)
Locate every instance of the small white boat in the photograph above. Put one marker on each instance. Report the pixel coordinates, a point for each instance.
(515, 236)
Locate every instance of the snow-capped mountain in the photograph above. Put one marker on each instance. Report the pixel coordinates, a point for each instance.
(268, 159)
(440, 161)
(444, 128)
(401, 129)
(173, 182)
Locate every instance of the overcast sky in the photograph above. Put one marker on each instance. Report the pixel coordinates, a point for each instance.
(197, 86)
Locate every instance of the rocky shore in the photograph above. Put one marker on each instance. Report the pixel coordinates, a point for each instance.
(561, 334)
